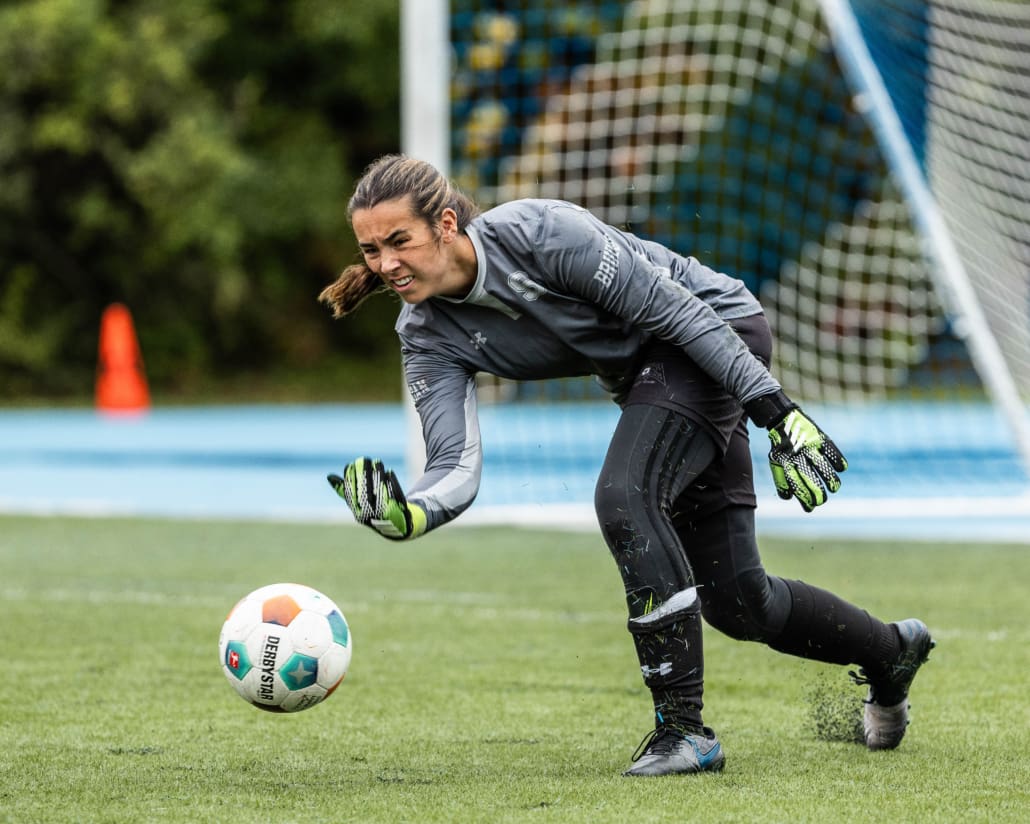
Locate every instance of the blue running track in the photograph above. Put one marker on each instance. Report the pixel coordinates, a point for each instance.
(928, 472)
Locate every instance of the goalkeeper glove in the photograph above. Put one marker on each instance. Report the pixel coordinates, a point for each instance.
(803, 460)
(374, 495)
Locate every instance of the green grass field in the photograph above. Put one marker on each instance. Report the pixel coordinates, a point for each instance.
(492, 680)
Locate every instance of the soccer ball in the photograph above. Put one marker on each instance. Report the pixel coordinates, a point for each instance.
(285, 647)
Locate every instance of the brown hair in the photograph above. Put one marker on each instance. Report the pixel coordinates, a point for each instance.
(393, 177)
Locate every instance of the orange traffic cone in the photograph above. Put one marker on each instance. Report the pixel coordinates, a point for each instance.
(121, 383)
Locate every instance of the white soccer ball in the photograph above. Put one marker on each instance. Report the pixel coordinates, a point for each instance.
(285, 647)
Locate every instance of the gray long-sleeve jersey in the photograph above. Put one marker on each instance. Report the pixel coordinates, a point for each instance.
(558, 293)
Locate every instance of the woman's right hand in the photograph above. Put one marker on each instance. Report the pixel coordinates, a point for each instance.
(374, 495)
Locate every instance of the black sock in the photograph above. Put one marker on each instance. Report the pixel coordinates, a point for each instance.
(672, 662)
(827, 628)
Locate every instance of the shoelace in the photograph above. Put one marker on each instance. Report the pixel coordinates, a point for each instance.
(897, 671)
(862, 680)
(660, 741)
(878, 688)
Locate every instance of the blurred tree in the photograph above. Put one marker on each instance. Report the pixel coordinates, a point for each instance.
(192, 160)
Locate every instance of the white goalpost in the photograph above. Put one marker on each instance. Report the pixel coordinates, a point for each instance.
(956, 288)
(864, 167)
(425, 134)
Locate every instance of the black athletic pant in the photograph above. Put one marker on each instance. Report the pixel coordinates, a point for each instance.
(659, 465)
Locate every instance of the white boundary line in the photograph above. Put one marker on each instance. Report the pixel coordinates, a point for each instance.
(1005, 519)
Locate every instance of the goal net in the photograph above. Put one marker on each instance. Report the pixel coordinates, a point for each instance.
(862, 167)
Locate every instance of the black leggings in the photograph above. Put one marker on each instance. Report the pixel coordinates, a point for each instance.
(654, 456)
(663, 544)
(643, 503)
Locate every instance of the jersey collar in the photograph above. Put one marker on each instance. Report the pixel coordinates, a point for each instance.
(477, 294)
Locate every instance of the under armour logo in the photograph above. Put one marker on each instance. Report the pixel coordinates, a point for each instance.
(664, 668)
(478, 340)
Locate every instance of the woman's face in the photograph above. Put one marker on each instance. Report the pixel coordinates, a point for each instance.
(413, 260)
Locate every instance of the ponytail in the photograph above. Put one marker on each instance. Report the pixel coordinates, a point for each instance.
(349, 290)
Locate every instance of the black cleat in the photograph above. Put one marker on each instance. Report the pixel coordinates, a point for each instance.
(886, 707)
(668, 751)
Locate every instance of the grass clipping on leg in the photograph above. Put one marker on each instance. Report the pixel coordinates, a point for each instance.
(834, 711)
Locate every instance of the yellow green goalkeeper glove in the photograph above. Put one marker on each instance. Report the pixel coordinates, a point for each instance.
(374, 495)
(804, 461)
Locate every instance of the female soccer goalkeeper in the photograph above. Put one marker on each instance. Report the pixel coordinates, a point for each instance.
(542, 289)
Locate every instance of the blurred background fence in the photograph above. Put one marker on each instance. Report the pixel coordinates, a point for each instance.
(846, 160)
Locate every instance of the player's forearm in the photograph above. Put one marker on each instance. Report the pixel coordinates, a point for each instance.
(721, 353)
(668, 310)
(443, 494)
